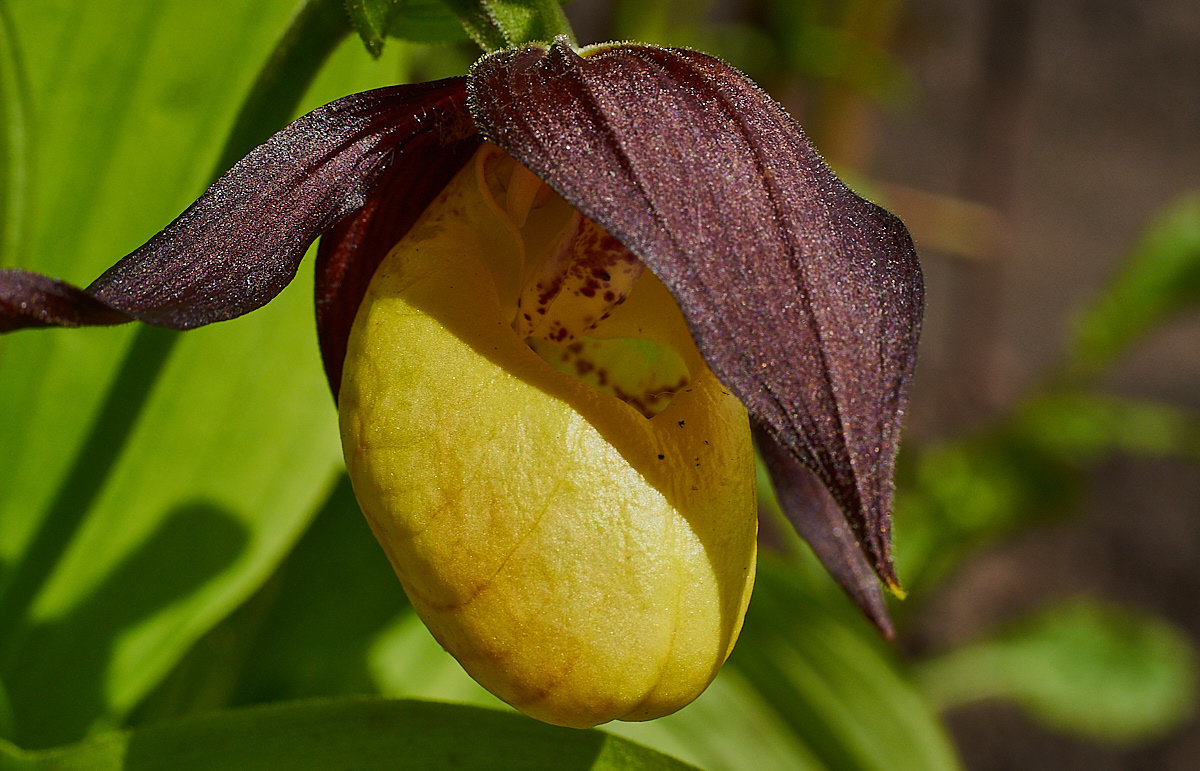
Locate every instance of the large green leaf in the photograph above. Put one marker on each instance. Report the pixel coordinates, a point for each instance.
(300, 634)
(14, 136)
(333, 597)
(349, 733)
(834, 682)
(150, 481)
(193, 515)
(1105, 672)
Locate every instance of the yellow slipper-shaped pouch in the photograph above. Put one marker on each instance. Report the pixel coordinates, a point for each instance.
(564, 489)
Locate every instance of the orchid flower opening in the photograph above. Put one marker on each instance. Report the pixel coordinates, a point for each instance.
(559, 300)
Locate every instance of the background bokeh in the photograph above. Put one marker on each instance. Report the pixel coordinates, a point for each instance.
(1074, 124)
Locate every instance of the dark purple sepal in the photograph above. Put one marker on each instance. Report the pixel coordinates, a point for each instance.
(820, 522)
(805, 299)
(352, 250)
(29, 300)
(240, 244)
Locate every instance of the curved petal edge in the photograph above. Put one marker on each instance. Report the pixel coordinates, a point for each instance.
(241, 242)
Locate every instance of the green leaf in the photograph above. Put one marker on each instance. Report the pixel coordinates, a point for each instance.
(7, 724)
(818, 669)
(312, 36)
(14, 136)
(752, 734)
(151, 481)
(200, 504)
(358, 733)
(425, 21)
(499, 24)
(1159, 278)
(335, 594)
(370, 18)
(304, 633)
(1109, 673)
(1081, 427)
(418, 21)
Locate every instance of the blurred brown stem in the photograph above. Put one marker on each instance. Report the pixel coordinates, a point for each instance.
(993, 145)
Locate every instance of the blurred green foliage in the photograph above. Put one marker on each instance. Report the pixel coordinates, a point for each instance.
(840, 43)
(1112, 674)
(1161, 278)
(1135, 674)
(177, 538)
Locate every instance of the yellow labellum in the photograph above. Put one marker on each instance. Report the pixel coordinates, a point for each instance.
(575, 524)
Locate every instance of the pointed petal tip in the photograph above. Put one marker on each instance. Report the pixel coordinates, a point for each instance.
(884, 625)
(31, 300)
(819, 520)
(886, 571)
(870, 600)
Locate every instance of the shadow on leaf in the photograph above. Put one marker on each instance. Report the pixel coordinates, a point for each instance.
(60, 675)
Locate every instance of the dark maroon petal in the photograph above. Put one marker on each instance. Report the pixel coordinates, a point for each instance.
(819, 521)
(240, 244)
(805, 299)
(33, 300)
(352, 250)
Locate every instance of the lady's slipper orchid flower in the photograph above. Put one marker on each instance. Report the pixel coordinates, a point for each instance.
(542, 432)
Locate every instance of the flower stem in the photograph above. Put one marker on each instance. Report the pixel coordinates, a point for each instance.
(499, 24)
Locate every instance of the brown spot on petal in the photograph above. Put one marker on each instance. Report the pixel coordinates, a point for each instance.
(586, 273)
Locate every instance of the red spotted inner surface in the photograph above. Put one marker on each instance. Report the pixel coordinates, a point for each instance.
(574, 277)
(588, 275)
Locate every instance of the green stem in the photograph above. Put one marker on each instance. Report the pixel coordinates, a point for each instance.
(315, 31)
(500, 24)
